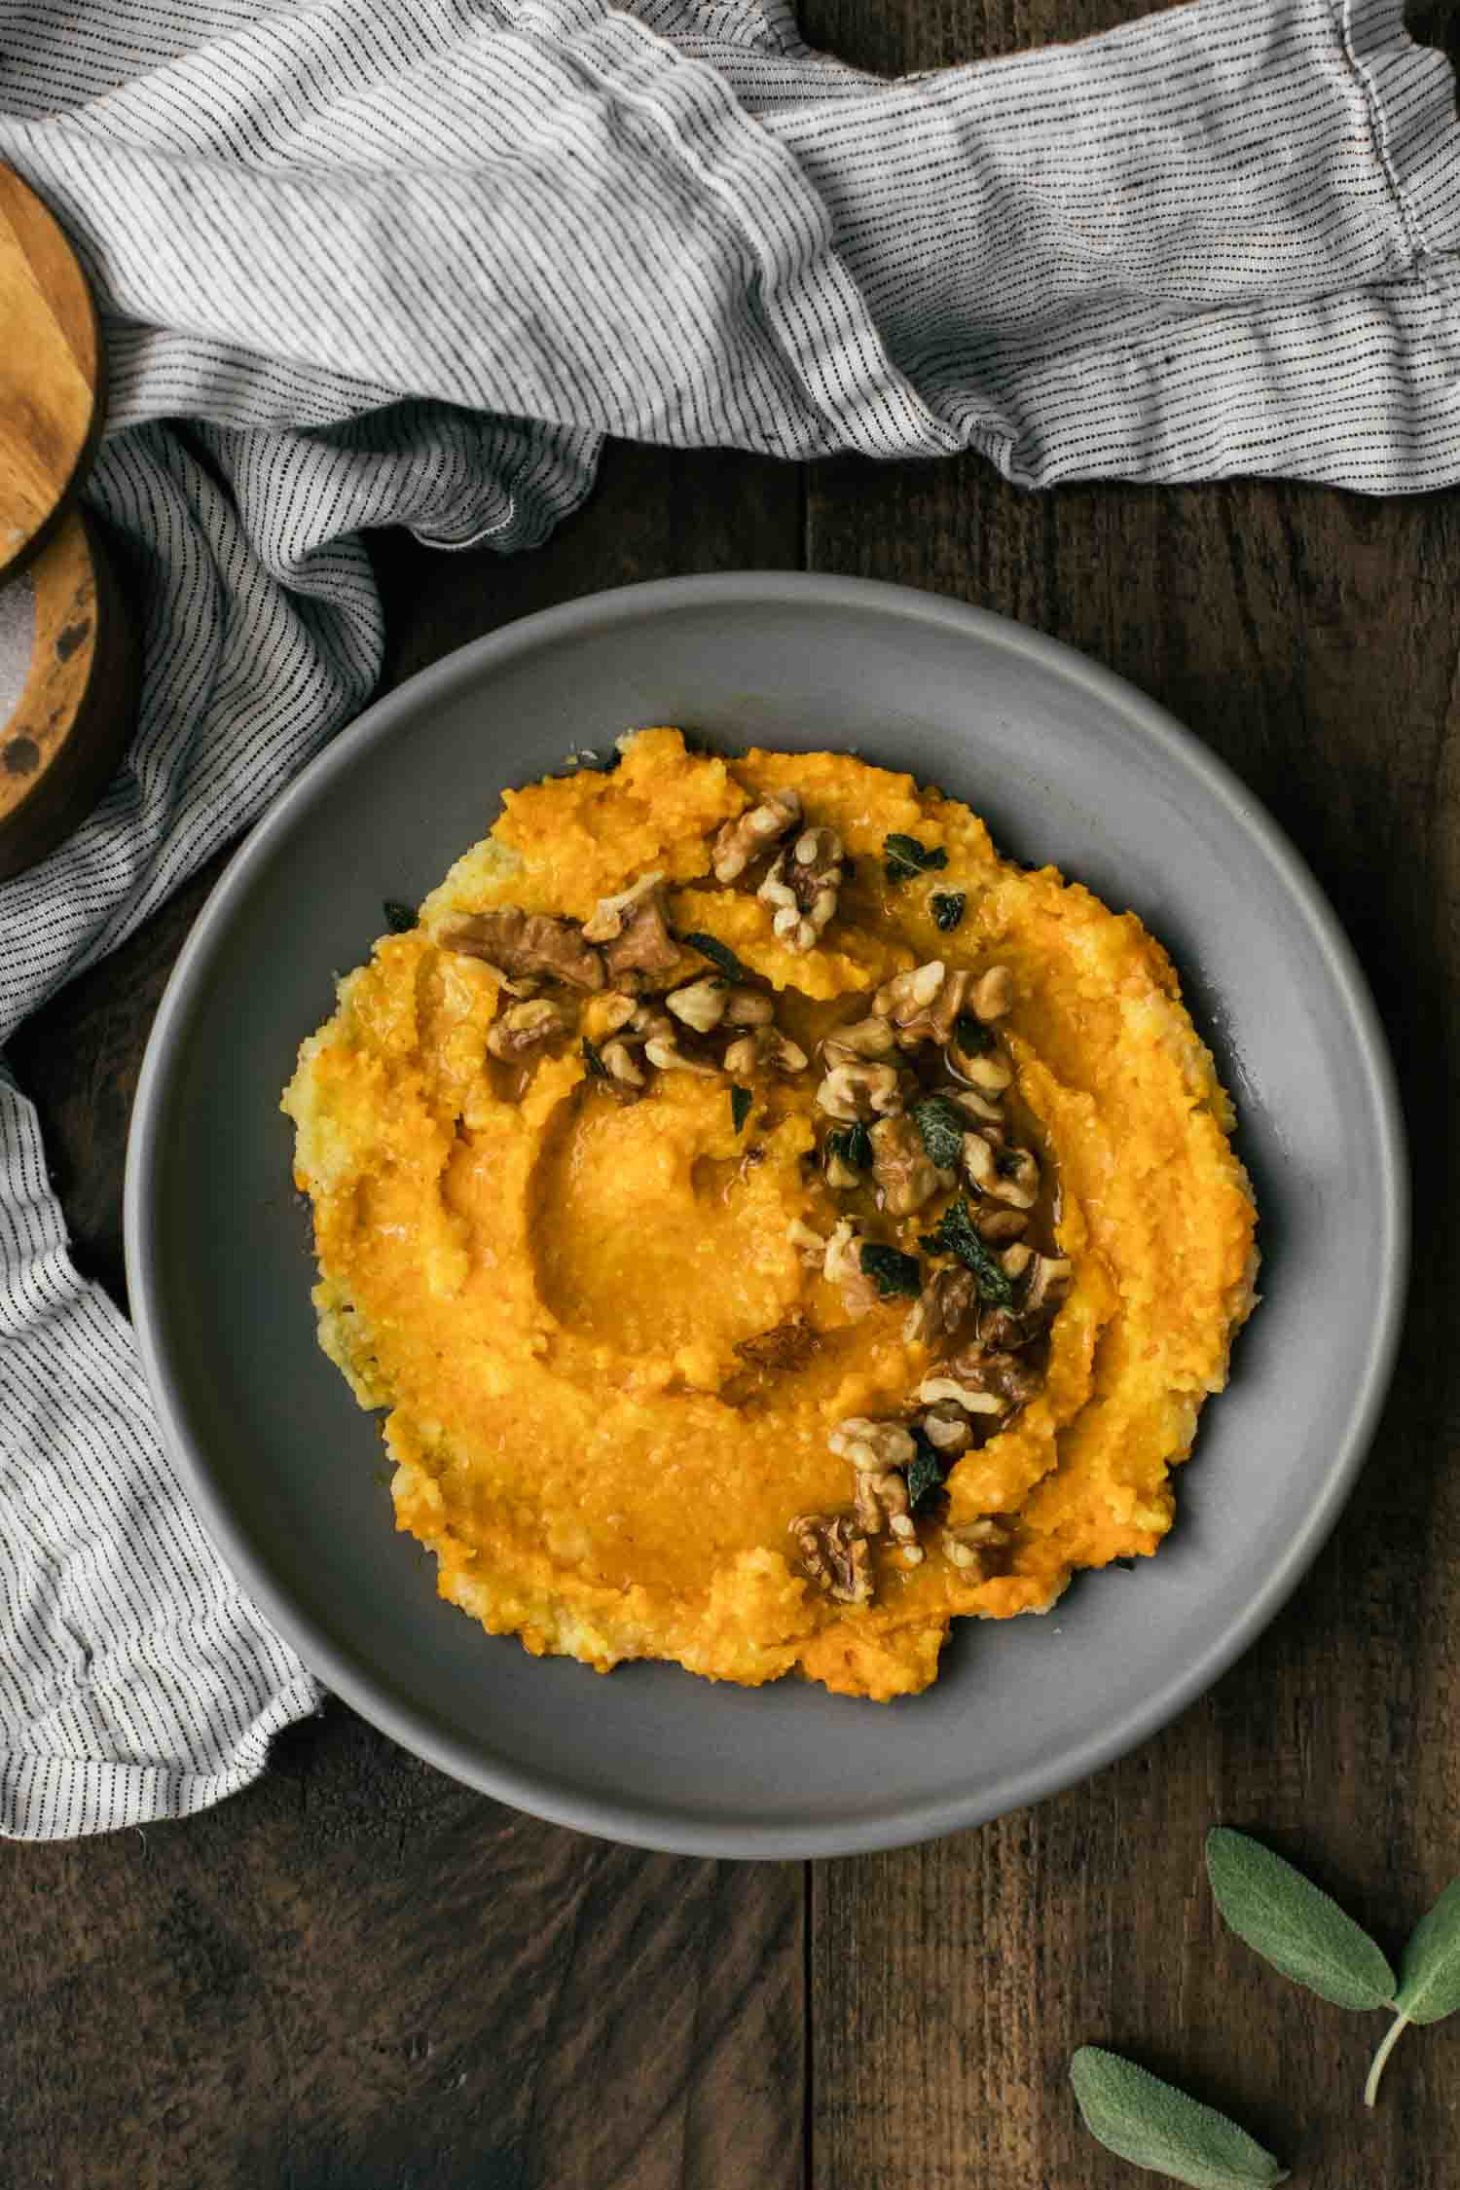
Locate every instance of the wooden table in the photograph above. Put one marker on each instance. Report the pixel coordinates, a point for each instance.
(358, 1974)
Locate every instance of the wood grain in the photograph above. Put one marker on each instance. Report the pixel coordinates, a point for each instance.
(49, 370)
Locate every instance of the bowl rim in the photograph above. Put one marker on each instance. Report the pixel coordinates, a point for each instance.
(652, 1824)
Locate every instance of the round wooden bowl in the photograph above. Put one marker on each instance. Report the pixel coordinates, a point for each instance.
(50, 373)
(69, 666)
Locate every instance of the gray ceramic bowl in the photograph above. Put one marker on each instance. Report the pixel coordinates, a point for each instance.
(1069, 765)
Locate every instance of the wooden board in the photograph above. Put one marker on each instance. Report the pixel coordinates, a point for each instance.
(68, 688)
(49, 371)
(356, 1975)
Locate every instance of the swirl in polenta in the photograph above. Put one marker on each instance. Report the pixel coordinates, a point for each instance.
(771, 1224)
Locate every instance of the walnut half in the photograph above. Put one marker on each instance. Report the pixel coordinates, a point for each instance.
(526, 946)
(835, 1556)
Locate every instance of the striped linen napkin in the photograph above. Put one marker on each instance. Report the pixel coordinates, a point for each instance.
(368, 262)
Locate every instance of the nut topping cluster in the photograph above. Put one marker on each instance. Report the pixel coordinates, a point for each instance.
(912, 1096)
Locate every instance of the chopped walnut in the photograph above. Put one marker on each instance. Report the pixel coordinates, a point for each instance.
(959, 1394)
(621, 1064)
(976, 1105)
(612, 915)
(810, 1245)
(999, 1225)
(1047, 1283)
(743, 839)
(526, 1026)
(994, 1373)
(520, 945)
(841, 1265)
(835, 1556)
(872, 1445)
(748, 1008)
(852, 1094)
(764, 1048)
(881, 1505)
(902, 1167)
(976, 1544)
(1009, 1175)
(661, 1045)
(923, 1004)
(701, 1004)
(633, 928)
(803, 887)
(789, 1345)
(858, 1040)
(992, 994)
(942, 1307)
(947, 1429)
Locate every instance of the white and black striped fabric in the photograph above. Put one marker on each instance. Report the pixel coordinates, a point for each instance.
(369, 262)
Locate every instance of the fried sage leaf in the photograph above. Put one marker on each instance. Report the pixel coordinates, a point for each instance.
(399, 917)
(719, 954)
(740, 1102)
(905, 857)
(942, 1126)
(1156, 2126)
(924, 1473)
(593, 1059)
(1429, 1978)
(1291, 1923)
(947, 909)
(892, 1272)
(853, 1143)
(956, 1236)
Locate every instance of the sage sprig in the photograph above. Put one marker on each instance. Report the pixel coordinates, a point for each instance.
(1288, 1920)
(1429, 1979)
(1294, 1925)
(1159, 2127)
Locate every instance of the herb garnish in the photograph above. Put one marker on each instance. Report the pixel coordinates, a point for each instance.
(853, 1144)
(399, 917)
(891, 1271)
(971, 1035)
(942, 1126)
(924, 1473)
(719, 954)
(1296, 1927)
(905, 857)
(956, 1236)
(1155, 2125)
(947, 908)
(740, 1102)
(597, 1069)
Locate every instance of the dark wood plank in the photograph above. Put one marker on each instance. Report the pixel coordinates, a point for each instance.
(357, 1974)
(1309, 637)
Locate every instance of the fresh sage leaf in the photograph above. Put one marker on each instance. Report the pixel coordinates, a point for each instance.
(891, 1271)
(719, 954)
(924, 1473)
(905, 857)
(853, 1144)
(956, 1236)
(597, 1069)
(1429, 1978)
(1156, 2126)
(942, 1126)
(740, 1102)
(1294, 1925)
(1429, 1974)
(399, 917)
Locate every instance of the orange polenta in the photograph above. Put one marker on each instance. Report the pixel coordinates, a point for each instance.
(771, 1224)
